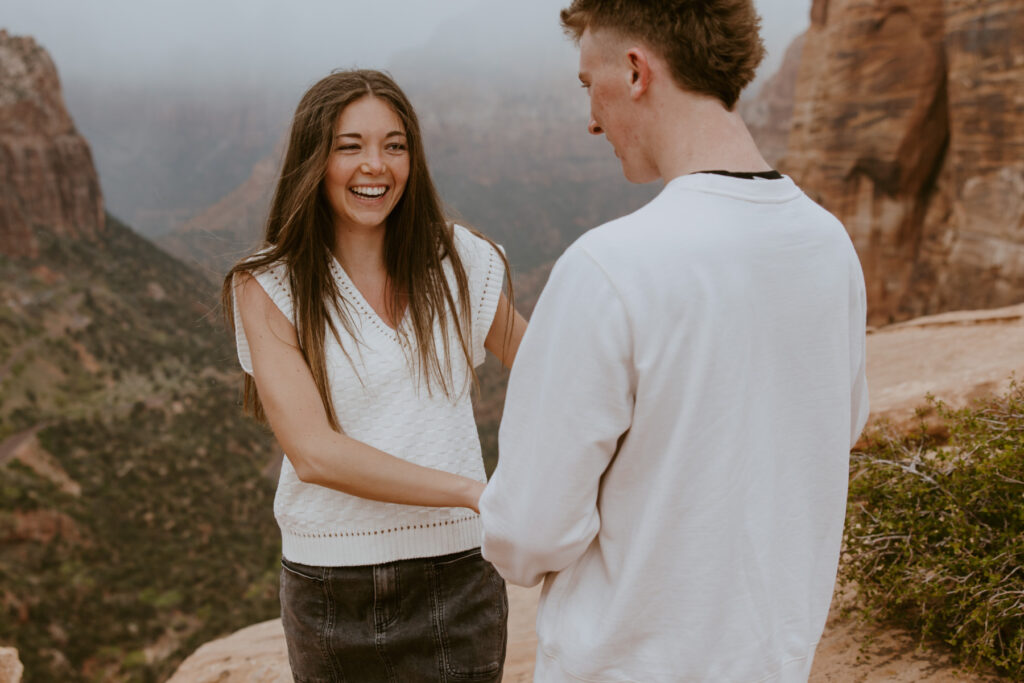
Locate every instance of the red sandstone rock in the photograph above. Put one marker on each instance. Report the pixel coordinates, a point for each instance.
(909, 126)
(47, 178)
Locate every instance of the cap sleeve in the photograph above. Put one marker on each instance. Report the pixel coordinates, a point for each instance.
(485, 273)
(274, 281)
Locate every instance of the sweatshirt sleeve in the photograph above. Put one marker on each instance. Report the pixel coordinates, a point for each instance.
(859, 406)
(570, 398)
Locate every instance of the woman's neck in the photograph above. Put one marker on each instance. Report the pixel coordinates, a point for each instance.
(360, 251)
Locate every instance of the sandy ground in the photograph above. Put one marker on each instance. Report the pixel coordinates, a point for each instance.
(954, 356)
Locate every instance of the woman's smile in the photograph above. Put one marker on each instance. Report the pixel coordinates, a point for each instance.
(369, 192)
(368, 166)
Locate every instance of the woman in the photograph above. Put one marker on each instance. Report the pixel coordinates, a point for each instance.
(359, 325)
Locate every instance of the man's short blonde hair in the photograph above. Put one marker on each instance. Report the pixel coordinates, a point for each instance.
(711, 46)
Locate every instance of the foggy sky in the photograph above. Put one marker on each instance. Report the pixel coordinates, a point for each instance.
(251, 42)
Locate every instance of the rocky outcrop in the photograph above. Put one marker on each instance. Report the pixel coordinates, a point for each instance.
(956, 357)
(10, 666)
(256, 654)
(47, 178)
(909, 126)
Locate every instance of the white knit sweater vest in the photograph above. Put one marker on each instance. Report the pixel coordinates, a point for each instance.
(379, 399)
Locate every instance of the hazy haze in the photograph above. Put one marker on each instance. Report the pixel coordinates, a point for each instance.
(197, 42)
(179, 100)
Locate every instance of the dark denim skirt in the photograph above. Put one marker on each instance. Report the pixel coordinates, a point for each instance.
(428, 619)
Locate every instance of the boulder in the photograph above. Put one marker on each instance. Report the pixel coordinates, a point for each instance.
(256, 654)
(10, 666)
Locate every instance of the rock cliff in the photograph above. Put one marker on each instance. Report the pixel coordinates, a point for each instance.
(909, 125)
(47, 176)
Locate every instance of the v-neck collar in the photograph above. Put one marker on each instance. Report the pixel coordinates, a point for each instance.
(349, 288)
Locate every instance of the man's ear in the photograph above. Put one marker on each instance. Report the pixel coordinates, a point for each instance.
(639, 71)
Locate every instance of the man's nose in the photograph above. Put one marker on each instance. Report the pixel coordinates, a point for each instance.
(594, 127)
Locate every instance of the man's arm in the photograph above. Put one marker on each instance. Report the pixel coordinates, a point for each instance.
(859, 406)
(570, 397)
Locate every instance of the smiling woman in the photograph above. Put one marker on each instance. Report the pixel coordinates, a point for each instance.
(359, 324)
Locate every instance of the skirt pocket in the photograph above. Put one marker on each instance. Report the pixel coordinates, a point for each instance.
(471, 613)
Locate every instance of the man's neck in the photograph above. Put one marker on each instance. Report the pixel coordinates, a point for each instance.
(696, 134)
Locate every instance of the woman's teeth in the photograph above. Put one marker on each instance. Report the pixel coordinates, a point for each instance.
(369, 192)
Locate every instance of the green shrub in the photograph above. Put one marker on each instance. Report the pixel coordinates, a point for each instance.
(935, 530)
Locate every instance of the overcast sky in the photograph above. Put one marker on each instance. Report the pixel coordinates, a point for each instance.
(256, 41)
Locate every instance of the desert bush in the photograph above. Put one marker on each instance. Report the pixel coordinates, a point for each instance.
(935, 530)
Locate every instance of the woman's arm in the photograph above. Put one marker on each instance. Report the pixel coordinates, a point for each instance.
(506, 332)
(319, 454)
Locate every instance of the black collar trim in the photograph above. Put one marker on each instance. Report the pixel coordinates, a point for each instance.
(748, 175)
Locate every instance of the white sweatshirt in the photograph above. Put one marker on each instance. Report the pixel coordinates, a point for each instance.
(674, 449)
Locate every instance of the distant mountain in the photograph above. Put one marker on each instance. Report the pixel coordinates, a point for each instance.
(219, 236)
(135, 512)
(164, 153)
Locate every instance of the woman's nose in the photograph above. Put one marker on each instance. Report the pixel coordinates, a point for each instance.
(594, 127)
(374, 166)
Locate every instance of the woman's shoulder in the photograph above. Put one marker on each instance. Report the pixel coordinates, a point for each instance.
(271, 274)
(473, 246)
(260, 261)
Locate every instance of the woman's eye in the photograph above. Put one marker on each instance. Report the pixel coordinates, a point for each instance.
(396, 147)
(347, 148)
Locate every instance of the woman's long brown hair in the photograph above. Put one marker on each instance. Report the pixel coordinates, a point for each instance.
(300, 233)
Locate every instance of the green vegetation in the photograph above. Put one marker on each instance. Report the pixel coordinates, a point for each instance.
(935, 530)
(139, 524)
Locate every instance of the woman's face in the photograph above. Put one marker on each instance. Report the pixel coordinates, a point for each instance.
(368, 165)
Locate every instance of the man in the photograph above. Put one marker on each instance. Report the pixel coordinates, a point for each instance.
(676, 436)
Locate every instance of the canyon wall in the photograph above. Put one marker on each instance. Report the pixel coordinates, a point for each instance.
(908, 124)
(47, 177)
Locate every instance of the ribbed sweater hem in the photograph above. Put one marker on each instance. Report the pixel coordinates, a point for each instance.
(331, 549)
